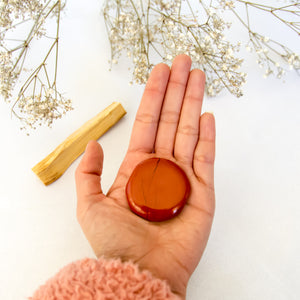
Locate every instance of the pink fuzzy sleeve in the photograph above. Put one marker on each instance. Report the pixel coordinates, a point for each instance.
(102, 280)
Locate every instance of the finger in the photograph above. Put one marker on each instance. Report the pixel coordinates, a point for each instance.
(204, 156)
(145, 125)
(88, 174)
(188, 129)
(169, 118)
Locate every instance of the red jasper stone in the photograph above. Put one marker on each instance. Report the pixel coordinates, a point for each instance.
(157, 189)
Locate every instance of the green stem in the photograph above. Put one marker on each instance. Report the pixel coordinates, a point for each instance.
(36, 26)
(47, 77)
(56, 41)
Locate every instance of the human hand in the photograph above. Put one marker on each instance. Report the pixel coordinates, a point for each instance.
(167, 125)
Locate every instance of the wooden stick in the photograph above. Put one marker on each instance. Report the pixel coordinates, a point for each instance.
(56, 163)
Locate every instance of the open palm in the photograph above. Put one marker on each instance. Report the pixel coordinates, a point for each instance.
(168, 125)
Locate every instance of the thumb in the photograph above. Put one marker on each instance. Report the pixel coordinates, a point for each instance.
(88, 176)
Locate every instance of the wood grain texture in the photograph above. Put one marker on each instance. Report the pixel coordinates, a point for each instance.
(56, 163)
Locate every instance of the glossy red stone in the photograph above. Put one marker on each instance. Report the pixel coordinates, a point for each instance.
(157, 189)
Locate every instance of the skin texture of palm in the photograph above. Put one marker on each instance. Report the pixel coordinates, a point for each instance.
(168, 125)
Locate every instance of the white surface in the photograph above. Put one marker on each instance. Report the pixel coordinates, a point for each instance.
(253, 251)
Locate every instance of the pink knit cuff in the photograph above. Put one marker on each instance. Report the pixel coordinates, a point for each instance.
(102, 280)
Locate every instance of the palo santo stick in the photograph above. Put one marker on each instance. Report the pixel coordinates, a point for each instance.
(56, 163)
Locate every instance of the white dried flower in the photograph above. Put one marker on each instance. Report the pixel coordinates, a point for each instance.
(163, 28)
(38, 101)
(165, 32)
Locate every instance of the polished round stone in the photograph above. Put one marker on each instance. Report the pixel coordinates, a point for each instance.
(157, 189)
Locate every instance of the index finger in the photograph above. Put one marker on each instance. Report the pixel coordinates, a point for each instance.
(145, 126)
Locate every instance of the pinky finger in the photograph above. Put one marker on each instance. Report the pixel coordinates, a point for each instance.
(204, 155)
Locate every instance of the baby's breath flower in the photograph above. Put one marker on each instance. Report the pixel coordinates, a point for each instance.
(7, 75)
(160, 29)
(271, 54)
(44, 111)
(164, 28)
(38, 101)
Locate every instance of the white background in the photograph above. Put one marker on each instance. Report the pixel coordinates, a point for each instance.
(253, 251)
